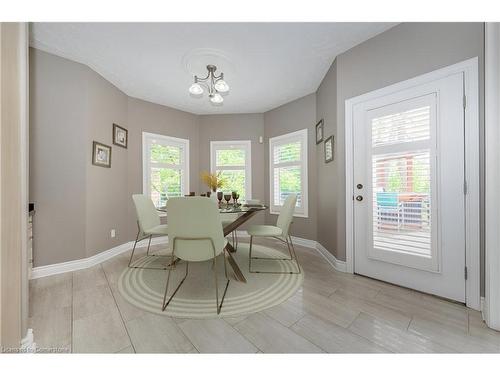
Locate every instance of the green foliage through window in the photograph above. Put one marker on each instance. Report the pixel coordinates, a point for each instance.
(232, 157)
(165, 154)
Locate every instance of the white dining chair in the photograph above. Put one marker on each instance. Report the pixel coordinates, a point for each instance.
(149, 225)
(195, 235)
(280, 231)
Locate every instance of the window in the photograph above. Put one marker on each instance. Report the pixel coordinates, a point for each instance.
(288, 170)
(233, 160)
(165, 167)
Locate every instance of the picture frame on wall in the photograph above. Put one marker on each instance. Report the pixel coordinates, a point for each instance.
(329, 149)
(319, 131)
(120, 136)
(101, 155)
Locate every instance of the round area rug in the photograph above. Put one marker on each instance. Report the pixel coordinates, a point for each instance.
(196, 297)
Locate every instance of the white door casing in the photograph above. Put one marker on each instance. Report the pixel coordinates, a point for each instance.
(469, 69)
(407, 234)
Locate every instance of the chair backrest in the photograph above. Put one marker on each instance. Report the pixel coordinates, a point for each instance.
(286, 214)
(147, 216)
(194, 218)
(387, 199)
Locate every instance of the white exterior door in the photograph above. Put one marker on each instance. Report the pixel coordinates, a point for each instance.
(409, 208)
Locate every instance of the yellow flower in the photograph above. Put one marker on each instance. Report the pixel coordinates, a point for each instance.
(213, 180)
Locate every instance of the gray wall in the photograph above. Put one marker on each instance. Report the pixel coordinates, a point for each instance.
(58, 157)
(296, 115)
(105, 186)
(403, 52)
(329, 179)
(247, 127)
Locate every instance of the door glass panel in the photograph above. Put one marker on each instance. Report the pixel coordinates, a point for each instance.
(401, 182)
(402, 202)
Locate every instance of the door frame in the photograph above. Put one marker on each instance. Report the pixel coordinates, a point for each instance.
(491, 308)
(472, 232)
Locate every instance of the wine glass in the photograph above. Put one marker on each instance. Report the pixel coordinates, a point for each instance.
(236, 197)
(227, 197)
(220, 195)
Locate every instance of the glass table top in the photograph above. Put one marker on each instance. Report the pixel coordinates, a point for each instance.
(231, 209)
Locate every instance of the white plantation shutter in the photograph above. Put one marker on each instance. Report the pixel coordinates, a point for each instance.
(401, 181)
(407, 126)
(288, 170)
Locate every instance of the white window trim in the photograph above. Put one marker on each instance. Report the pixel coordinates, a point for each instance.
(286, 138)
(247, 146)
(146, 189)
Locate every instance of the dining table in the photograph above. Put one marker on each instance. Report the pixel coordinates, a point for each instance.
(245, 212)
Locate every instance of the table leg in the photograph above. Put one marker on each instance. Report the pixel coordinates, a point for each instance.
(232, 262)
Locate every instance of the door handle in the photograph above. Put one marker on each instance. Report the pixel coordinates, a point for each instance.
(359, 186)
(359, 198)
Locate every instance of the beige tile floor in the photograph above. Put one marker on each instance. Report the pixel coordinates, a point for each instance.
(333, 312)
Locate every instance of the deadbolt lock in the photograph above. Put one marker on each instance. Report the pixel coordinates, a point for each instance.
(359, 186)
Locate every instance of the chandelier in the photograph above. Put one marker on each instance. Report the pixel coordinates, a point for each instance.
(215, 86)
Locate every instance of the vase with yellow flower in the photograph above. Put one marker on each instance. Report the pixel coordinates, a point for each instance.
(214, 181)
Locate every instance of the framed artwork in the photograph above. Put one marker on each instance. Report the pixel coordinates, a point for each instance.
(319, 131)
(329, 149)
(101, 155)
(120, 136)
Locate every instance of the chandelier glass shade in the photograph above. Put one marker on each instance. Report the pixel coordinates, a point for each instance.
(214, 85)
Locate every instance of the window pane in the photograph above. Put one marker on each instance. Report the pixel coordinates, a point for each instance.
(287, 152)
(165, 154)
(165, 183)
(402, 127)
(287, 180)
(234, 181)
(232, 157)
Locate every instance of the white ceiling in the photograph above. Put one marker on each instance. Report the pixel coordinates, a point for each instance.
(265, 64)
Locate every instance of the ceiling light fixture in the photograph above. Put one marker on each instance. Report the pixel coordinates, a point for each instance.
(215, 85)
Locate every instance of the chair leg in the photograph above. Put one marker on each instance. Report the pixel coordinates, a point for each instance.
(291, 251)
(289, 248)
(137, 240)
(165, 304)
(295, 254)
(133, 250)
(149, 245)
(250, 255)
(219, 307)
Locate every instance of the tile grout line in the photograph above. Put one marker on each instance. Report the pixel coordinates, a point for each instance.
(289, 328)
(118, 308)
(185, 335)
(409, 323)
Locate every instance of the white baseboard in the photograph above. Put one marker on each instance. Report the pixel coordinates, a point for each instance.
(339, 265)
(74, 265)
